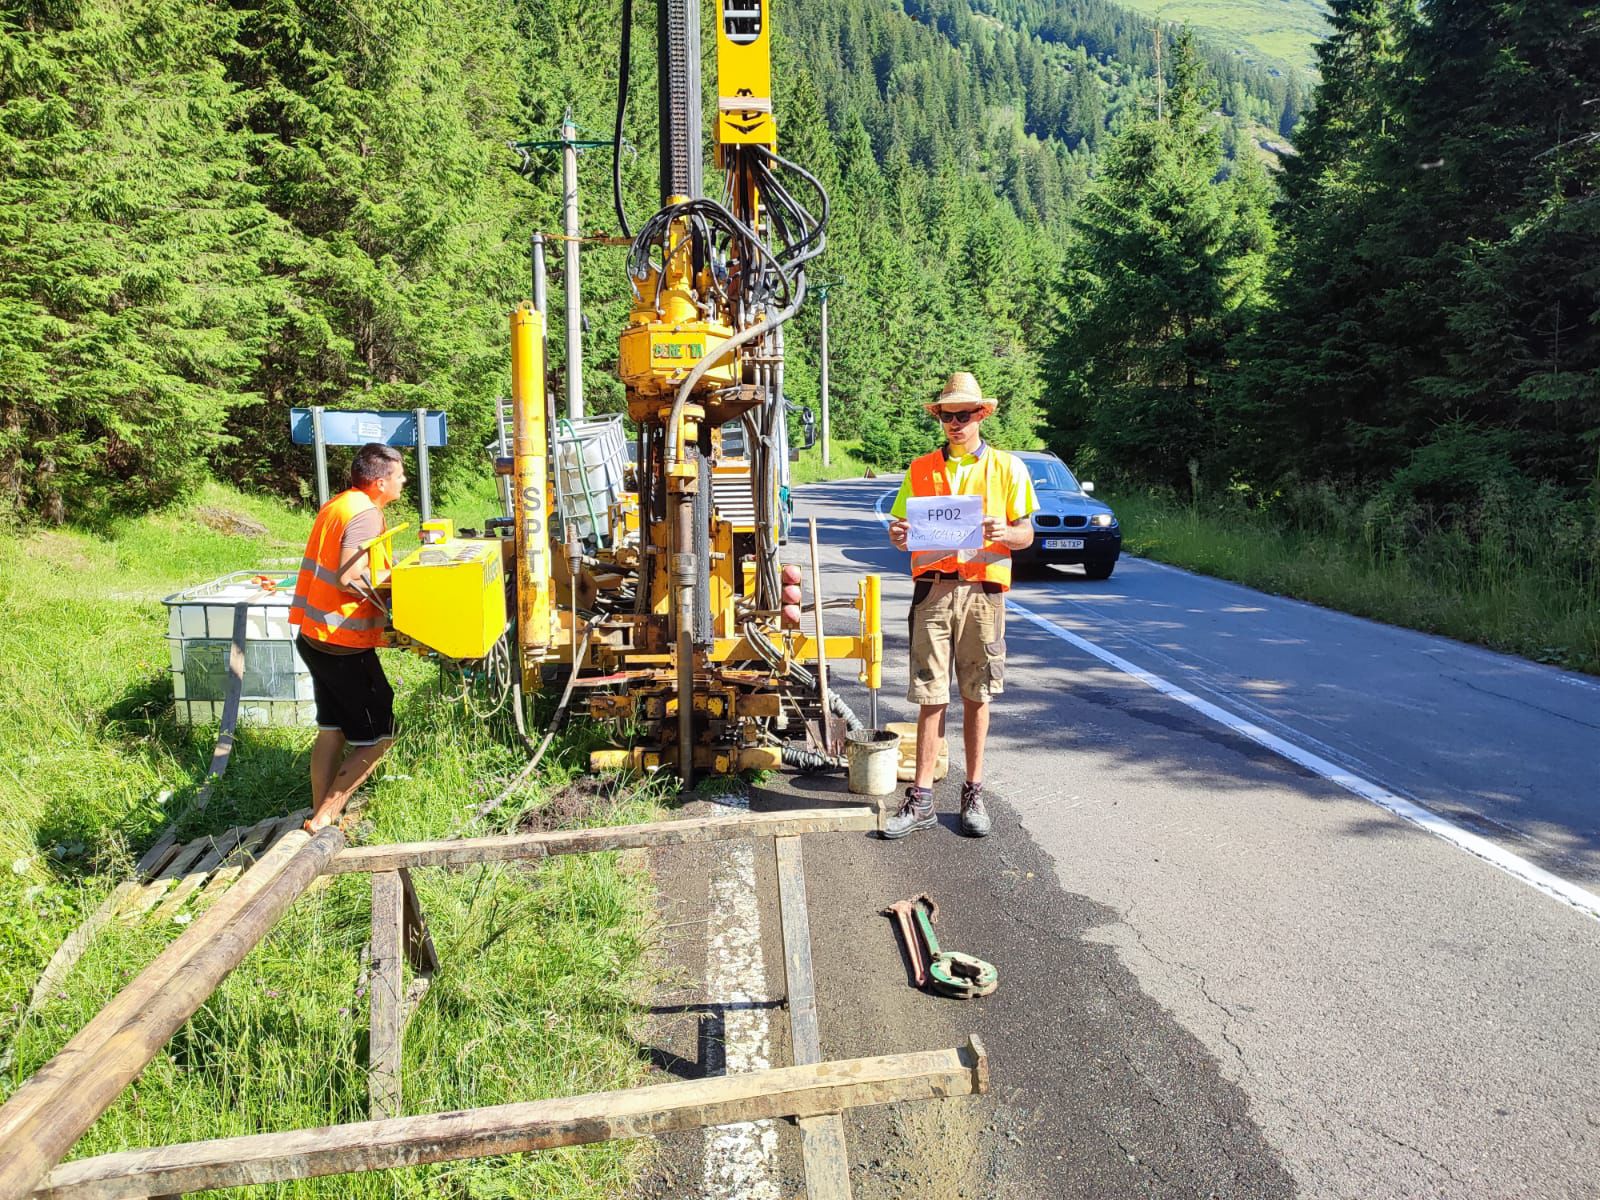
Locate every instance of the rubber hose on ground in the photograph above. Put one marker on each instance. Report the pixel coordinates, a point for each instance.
(802, 759)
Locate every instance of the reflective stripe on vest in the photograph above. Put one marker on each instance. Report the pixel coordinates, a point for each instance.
(992, 562)
(325, 611)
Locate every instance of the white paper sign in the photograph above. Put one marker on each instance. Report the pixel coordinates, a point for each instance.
(945, 522)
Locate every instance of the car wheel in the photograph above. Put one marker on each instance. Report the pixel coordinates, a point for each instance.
(1100, 570)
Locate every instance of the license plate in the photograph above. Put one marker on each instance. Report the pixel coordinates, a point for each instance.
(1063, 543)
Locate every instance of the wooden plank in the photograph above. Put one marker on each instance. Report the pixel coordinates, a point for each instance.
(530, 1126)
(48, 1113)
(511, 847)
(420, 953)
(220, 848)
(150, 895)
(804, 1031)
(826, 1155)
(252, 843)
(386, 991)
(822, 1139)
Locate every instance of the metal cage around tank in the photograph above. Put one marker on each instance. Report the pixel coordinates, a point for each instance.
(203, 623)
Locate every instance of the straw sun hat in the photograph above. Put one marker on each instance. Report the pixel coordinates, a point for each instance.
(961, 391)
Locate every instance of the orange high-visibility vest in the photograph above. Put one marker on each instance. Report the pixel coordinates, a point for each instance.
(992, 562)
(325, 611)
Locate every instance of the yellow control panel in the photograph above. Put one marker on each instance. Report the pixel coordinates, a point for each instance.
(450, 595)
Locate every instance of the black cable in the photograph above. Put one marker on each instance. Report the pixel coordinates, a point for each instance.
(782, 210)
(626, 57)
(716, 216)
(816, 226)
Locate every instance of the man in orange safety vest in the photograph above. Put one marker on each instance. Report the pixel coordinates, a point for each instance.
(341, 625)
(958, 604)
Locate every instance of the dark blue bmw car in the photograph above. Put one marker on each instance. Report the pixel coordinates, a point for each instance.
(1070, 526)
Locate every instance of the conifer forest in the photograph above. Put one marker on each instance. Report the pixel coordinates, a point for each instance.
(1373, 288)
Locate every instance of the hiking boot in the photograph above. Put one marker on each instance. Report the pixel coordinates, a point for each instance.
(916, 812)
(974, 817)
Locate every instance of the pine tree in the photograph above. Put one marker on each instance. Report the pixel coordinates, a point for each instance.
(1434, 301)
(132, 299)
(1317, 371)
(379, 133)
(1163, 267)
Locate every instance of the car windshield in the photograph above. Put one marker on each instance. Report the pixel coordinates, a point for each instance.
(1051, 475)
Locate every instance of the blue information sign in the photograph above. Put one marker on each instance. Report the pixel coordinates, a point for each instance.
(346, 428)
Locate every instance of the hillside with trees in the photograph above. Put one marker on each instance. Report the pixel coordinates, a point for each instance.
(212, 213)
(1403, 355)
(1427, 321)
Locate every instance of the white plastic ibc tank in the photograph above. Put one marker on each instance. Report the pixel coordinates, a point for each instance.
(256, 628)
(192, 621)
(277, 685)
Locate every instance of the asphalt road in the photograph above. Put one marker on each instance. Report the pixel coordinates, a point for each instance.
(1228, 966)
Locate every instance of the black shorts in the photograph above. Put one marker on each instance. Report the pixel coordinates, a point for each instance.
(353, 695)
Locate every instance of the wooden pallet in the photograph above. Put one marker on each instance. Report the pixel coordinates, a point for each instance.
(202, 869)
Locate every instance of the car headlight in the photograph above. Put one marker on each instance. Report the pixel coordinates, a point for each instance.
(1102, 520)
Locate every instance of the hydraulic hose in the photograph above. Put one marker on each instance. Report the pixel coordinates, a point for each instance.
(710, 358)
(774, 657)
(802, 759)
(625, 57)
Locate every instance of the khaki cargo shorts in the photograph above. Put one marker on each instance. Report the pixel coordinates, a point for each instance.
(958, 621)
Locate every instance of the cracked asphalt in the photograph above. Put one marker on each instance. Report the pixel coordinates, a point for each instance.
(1221, 974)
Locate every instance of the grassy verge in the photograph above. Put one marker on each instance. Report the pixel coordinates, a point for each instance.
(543, 972)
(1520, 599)
(808, 467)
(1284, 30)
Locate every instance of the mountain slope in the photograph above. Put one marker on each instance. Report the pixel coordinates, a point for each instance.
(1282, 32)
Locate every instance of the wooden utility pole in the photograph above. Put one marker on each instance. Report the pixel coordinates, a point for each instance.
(827, 449)
(569, 199)
(822, 290)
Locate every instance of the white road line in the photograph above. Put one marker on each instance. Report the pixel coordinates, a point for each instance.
(738, 1158)
(1514, 865)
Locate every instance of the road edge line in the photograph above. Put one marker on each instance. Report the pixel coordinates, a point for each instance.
(1519, 868)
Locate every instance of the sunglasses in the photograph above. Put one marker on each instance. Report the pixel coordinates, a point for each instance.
(959, 418)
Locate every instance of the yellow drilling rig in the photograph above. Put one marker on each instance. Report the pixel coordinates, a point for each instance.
(682, 626)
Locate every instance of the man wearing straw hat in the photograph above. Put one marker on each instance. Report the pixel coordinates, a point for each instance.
(958, 604)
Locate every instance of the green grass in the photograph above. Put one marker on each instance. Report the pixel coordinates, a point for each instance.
(1282, 31)
(1529, 598)
(808, 467)
(543, 971)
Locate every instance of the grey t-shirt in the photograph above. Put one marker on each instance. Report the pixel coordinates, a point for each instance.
(363, 527)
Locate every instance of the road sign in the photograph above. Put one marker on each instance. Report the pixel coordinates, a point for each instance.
(357, 428)
(320, 428)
